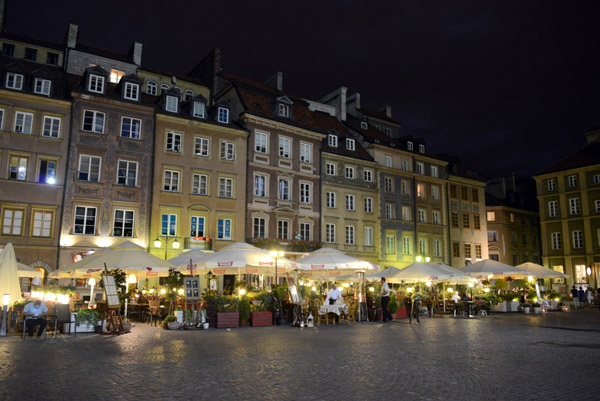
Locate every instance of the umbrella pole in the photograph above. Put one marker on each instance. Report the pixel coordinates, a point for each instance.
(444, 296)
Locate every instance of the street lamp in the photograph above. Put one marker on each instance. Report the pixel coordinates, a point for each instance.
(5, 301)
(275, 255)
(471, 287)
(158, 243)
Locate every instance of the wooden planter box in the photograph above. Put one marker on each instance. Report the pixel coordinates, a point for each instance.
(401, 313)
(262, 319)
(227, 320)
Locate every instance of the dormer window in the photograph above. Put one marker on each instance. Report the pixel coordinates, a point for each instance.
(350, 144)
(14, 81)
(421, 148)
(409, 145)
(164, 87)
(96, 84)
(42, 86)
(364, 125)
(31, 54)
(115, 76)
(171, 104)
(198, 109)
(332, 140)
(189, 94)
(388, 131)
(131, 91)
(151, 88)
(223, 115)
(284, 110)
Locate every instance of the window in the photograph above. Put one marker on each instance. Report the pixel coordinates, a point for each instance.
(389, 211)
(171, 181)
(596, 179)
(151, 88)
(330, 233)
(224, 229)
(421, 148)
(227, 150)
(174, 140)
(533, 239)
(332, 140)
(491, 216)
(42, 86)
(476, 222)
(512, 217)
(42, 224)
(388, 161)
(388, 131)
(164, 87)
(368, 175)
(201, 146)
(524, 238)
(259, 227)
(434, 171)
(131, 127)
(131, 91)
(364, 125)
(284, 110)
(350, 172)
(47, 171)
(464, 194)
(85, 220)
(453, 192)
(1, 119)
(115, 76)
(454, 219)
(406, 246)
(435, 193)
(437, 248)
(405, 187)
(283, 229)
(422, 246)
(389, 184)
(198, 109)
(30, 54)
(123, 223)
(456, 249)
(475, 195)
(23, 122)
(284, 190)
(14, 81)
(422, 216)
(368, 236)
(492, 236)
(350, 144)
(305, 192)
(89, 168)
(305, 231)
(171, 104)
(406, 213)
(350, 202)
(223, 115)
(197, 226)
(421, 190)
(189, 94)
(169, 224)
(578, 239)
(574, 206)
(478, 251)
(330, 200)
(553, 209)
(127, 173)
(261, 143)
(350, 235)
(436, 217)
(467, 251)
(225, 187)
(409, 145)
(8, 49)
(390, 244)
(51, 127)
(404, 165)
(284, 147)
(12, 222)
(368, 205)
(200, 184)
(93, 121)
(305, 152)
(513, 236)
(572, 181)
(597, 205)
(96, 84)
(551, 184)
(260, 185)
(556, 241)
(330, 168)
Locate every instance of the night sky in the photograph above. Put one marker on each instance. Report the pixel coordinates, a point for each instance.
(508, 86)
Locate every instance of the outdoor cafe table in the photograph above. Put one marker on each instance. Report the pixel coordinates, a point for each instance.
(335, 308)
(470, 306)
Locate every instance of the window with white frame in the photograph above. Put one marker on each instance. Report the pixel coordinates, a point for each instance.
(404, 165)
(421, 148)
(51, 127)
(368, 175)
(131, 127)
(305, 192)
(364, 125)
(390, 244)
(551, 184)
(283, 189)
(437, 248)
(260, 185)
(89, 168)
(227, 150)
(330, 233)
(202, 146)
(283, 229)
(577, 239)
(388, 184)
(435, 193)
(596, 179)
(368, 205)
(405, 187)
(224, 227)
(332, 140)
(23, 122)
(556, 241)
(284, 110)
(436, 217)
(197, 226)
(168, 224)
(597, 205)
(132, 91)
(409, 145)
(388, 131)
(421, 191)
(151, 88)
(422, 216)
(284, 147)
(189, 94)
(171, 181)
(574, 206)
(368, 236)
(434, 171)
(406, 246)
(350, 202)
(171, 104)
(305, 152)
(350, 144)
(261, 142)
(199, 184)
(330, 168)
(173, 143)
(259, 225)
(123, 223)
(18, 168)
(46, 171)
(164, 87)
(42, 86)
(420, 168)
(127, 173)
(14, 81)
(223, 115)
(85, 220)
(406, 213)
(423, 246)
(96, 84)
(93, 121)
(389, 211)
(350, 235)
(388, 161)
(350, 172)
(42, 224)
(225, 187)
(572, 181)
(492, 236)
(330, 200)
(553, 209)
(305, 231)
(198, 109)
(1, 119)
(12, 221)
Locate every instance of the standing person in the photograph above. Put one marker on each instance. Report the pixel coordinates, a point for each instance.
(385, 298)
(333, 295)
(575, 295)
(37, 312)
(581, 296)
(590, 297)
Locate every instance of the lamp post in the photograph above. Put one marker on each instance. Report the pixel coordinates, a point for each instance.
(5, 301)
(92, 283)
(471, 287)
(167, 238)
(275, 255)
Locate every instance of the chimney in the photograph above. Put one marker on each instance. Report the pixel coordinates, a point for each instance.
(72, 34)
(592, 135)
(337, 98)
(387, 110)
(276, 81)
(2, 14)
(137, 53)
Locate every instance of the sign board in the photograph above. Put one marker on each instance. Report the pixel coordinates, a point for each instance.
(192, 288)
(110, 289)
(293, 291)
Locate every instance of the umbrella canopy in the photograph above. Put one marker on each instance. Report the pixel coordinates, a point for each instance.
(390, 271)
(484, 268)
(183, 260)
(329, 262)
(26, 271)
(9, 275)
(242, 258)
(419, 272)
(535, 270)
(457, 276)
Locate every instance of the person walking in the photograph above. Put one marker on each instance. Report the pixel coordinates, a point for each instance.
(581, 297)
(575, 295)
(590, 297)
(385, 298)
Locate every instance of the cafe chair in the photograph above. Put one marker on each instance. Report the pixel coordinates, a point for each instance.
(25, 319)
(459, 309)
(155, 311)
(62, 315)
(352, 306)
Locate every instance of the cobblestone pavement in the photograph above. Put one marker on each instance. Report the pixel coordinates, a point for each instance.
(500, 357)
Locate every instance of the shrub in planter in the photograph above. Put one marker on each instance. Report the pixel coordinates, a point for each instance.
(89, 317)
(227, 311)
(393, 304)
(167, 320)
(244, 311)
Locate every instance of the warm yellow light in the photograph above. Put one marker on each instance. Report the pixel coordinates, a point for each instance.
(143, 291)
(180, 291)
(418, 258)
(152, 291)
(428, 284)
(176, 244)
(62, 299)
(490, 276)
(409, 289)
(92, 281)
(516, 300)
(157, 243)
(301, 282)
(5, 300)
(530, 278)
(37, 294)
(486, 290)
(535, 299)
(449, 289)
(103, 242)
(372, 289)
(242, 291)
(557, 299)
(162, 291)
(50, 297)
(66, 241)
(276, 254)
(314, 288)
(131, 279)
(471, 284)
(427, 259)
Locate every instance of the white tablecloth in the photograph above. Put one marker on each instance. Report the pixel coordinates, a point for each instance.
(336, 308)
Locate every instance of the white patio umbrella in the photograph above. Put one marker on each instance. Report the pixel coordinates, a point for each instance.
(26, 271)
(418, 272)
(329, 262)
(194, 256)
(9, 275)
(384, 273)
(535, 270)
(486, 268)
(457, 275)
(242, 258)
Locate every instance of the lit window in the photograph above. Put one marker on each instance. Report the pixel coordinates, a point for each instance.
(42, 86)
(131, 91)
(131, 127)
(51, 127)
(199, 109)
(171, 104)
(18, 168)
(491, 216)
(123, 223)
(151, 88)
(350, 144)
(223, 115)
(173, 142)
(332, 140)
(201, 146)
(47, 172)
(171, 181)
(225, 187)
(85, 220)
(14, 81)
(42, 224)
(200, 184)
(421, 191)
(93, 121)
(492, 236)
(127, 173)
(115, 76)
(305, 152)
(96, 84)
(168, 224)
(23, 122)
(284, 147)
(227, 150)
(89, 168)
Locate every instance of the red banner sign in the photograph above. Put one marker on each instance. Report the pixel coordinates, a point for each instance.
(315, 267)
(151, 274)
(219, 271)
(252, 271)
(225, 264)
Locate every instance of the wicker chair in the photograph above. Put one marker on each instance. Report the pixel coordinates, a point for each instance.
(316, 306)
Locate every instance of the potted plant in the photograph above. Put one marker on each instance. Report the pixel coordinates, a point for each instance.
(526, 308)
(263, 313)
(244, 311)
(279, 294)
(170, 323)
(87, 320)
(536, 308)
(402, 312)
(227, 312)
(393, 305)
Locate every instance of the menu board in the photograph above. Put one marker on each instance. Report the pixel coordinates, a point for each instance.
(192, 289)
(110, 289)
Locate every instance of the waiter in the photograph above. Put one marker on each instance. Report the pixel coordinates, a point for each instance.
(333, 295)
(385, 298)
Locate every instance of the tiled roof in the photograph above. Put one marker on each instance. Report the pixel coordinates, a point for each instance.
(329, 123)
(46, 71)
(170, 74)
(104, 53)
(33, 41)
(371, 134)
(589, 155)
(378, 115)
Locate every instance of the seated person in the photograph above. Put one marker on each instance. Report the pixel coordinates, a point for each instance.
(37, 312)
(464, 297)
(455, 297)
(333, 295)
